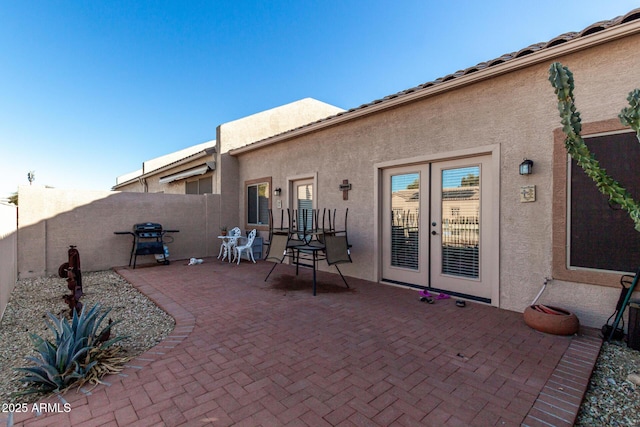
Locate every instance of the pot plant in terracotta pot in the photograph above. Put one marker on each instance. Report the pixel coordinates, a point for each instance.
(223, 230)
(549, 318)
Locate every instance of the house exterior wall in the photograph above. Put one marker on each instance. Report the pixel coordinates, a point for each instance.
(8, 253)
(52, 219)
(252, 128)
(512, 115)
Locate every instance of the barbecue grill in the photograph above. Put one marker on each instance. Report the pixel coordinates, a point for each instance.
(148, 239)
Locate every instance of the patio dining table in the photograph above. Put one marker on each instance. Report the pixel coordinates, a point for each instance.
(305, 240)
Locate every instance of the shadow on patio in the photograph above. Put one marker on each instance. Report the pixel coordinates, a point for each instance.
(250, 352)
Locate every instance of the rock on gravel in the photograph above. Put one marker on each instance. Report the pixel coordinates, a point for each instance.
(144, 323)
(612, 399)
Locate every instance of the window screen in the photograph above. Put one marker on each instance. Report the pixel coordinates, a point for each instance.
(201, 186)
(603, 236)
(405, 220)
(192, 187)
(461, 222)
(258, 204)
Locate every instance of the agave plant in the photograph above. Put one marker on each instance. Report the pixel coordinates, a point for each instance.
(68, 358)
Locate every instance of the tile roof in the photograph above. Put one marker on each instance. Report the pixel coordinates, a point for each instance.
(591, 29)
(556, 41)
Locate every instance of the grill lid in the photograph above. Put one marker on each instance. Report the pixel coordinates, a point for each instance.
(147, 229)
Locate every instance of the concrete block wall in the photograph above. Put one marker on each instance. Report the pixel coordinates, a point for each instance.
(53, 219)
(8, 252)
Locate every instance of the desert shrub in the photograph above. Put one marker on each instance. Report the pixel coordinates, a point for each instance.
(79, 349)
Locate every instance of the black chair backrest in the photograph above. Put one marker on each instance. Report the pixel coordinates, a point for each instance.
(277, 247)
(337, 249)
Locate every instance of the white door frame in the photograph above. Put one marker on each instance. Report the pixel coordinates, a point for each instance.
(291, 180)
(493, 275)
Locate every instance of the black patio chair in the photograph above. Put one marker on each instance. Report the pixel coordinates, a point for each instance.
(337, 247)
(277, 250)
(337, 251)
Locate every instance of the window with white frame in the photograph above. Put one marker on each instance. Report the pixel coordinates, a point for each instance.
(258, 203)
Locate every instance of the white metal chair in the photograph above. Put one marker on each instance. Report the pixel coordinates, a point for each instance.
(226, 248)
(247, 246)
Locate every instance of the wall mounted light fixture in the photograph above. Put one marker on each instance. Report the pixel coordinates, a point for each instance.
(277, 192)
(526, 167)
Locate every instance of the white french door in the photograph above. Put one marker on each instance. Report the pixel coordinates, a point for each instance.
(405, 242)
(303, 202)
(438, 228)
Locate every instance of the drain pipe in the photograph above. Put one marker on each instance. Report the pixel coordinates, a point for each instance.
(143, 183)
(544, 286)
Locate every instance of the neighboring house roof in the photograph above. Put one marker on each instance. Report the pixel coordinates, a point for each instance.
(543, 51)
(461, 193)
(200, 170)
(232, 134)
(178, 156)
(408, 195)
(167, 162)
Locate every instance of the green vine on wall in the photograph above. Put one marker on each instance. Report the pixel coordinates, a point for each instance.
(562, 81)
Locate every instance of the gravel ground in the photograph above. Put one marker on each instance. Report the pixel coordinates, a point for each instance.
(613, 397)
(142, 321)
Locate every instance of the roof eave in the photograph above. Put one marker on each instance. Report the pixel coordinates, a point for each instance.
(575, 45)
(195, 156)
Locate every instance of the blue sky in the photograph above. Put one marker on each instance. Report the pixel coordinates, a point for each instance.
(91, 89)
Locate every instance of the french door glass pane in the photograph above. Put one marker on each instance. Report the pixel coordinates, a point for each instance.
(461, 221)
(305, 206)
(405, 211)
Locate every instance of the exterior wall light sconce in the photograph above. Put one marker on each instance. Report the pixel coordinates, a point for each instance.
(277, 192)
(526, 167)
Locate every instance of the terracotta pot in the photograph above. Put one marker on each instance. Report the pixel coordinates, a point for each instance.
(558, 324)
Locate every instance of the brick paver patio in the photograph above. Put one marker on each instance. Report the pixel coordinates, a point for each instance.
(251, 353)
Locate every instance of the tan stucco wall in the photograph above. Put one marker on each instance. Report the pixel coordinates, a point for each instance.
(8, 253)
(515, 111)
(271, 122)
(52, 219)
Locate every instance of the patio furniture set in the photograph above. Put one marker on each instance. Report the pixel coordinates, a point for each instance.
(305, 241)
(236, 244)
